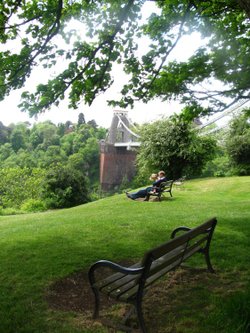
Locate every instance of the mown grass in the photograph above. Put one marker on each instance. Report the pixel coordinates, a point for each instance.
(38, 249)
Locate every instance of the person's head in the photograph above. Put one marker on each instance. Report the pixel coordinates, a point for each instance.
(161, 174)
(154, 176)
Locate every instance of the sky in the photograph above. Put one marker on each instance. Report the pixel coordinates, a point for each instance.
(99, 110)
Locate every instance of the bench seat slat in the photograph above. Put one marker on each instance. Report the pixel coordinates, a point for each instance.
(160, 265)
(112, 278)
(118, 279)
(120, 284)
(124, 289)
(130, 285)
(159, 274)
(125, 294)
(129, 295)
(127, 285)
(130, 290)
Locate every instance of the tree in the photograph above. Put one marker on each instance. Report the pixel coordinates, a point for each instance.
(53, 155)
(64, 163)
(225, 57)
(90, 155)
(4, 133)
(44, 135)
(19, 136)
(112, 32)
(92, 123)
(81, 119)
(6, 150)
(67, 141)
(174, 146)
(65, 187)
(238, 143)
(84, 132)
(19, 184)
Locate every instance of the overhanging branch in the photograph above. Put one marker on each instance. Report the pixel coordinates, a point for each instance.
(52, 32)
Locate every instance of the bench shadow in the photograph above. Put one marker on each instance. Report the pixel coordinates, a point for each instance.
(165, 304)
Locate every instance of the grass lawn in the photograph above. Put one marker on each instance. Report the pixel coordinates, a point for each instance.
(39, 249)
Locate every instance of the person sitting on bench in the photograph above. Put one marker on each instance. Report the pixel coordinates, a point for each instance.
(154, 177)
(143, 193)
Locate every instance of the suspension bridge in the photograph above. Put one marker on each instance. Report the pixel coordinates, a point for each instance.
(118, 151)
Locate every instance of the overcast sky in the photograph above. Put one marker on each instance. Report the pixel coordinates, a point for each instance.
(100, 111)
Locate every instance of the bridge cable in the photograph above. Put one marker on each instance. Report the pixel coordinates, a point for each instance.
(129, 130)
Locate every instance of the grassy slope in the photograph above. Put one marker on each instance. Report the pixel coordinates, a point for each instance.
(37, 249)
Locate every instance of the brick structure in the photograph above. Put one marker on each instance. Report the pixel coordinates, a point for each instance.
(118, 153)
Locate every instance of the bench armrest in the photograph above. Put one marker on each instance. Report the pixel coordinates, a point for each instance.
(116, 267)
(174, 232)
(156, 188)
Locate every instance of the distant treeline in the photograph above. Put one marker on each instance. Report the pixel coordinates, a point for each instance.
(48, 166)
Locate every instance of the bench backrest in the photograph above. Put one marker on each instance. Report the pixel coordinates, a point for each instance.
(166, 185)
(171, 254)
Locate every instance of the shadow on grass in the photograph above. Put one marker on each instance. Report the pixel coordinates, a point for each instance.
(188, 300)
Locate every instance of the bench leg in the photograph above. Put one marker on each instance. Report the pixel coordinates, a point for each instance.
(140, 317)
(97, 303)
(209, 265)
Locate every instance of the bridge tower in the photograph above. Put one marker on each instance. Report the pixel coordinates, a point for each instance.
(118, 152)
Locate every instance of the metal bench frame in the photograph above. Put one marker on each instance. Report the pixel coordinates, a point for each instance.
(128, 284)
(165, 187)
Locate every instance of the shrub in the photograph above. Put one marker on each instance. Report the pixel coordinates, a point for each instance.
(65, 187)
(238, 143)
(33, 205)
(174, 146)
(20, 184)
(218, 167)
(9, 211)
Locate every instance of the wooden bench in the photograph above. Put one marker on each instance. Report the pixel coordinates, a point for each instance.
(165, 187)
(128, 284)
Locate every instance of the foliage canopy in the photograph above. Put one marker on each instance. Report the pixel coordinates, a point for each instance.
(238, 143)
(48, 166)
(175, 146)
(110, 35)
